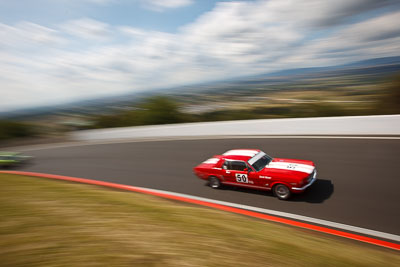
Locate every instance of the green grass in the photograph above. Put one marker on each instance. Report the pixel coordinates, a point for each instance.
(54, 223)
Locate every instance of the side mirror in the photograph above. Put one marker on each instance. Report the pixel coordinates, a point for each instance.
(246, 169)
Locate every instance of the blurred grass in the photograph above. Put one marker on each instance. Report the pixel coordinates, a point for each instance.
(53, 223)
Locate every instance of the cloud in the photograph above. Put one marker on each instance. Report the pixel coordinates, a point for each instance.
(380, 28)
(372, 38)
(100, 2)
(89, 58)
(162, 5)
(95, 2)
(87, 28)
(267, 35)
(312, 14)
(27, 33)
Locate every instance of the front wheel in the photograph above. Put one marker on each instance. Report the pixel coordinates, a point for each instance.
(281, 191)
(214, 182)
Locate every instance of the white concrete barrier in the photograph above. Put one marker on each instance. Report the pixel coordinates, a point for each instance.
(356, 125)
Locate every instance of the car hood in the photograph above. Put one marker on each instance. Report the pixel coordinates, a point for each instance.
(289, 168)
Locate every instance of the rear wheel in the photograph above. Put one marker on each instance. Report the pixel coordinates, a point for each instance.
(214, 182)
(281, 191)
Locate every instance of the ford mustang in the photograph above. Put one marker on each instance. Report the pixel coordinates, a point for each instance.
(252, 168)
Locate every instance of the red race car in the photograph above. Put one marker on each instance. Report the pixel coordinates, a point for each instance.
(252, 168)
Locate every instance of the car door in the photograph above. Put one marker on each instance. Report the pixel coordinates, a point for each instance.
(236, 172)
(262, 179)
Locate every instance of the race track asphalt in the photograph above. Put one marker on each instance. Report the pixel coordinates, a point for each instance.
(358, 179)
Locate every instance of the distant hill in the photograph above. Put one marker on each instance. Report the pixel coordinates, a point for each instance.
(371, 68)
(369, 63)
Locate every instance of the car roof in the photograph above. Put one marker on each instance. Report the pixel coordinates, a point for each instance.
(240, 154)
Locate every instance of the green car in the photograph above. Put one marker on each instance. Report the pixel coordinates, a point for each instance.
(11, 159)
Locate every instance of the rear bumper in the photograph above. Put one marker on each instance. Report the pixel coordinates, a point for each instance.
(299, 189)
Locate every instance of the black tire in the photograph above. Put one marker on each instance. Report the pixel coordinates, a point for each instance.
(281, 191)
(214, 182)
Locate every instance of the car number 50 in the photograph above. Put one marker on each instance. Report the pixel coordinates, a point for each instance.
(241, 178)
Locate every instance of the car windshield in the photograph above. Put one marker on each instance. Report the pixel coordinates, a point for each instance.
(260, 163)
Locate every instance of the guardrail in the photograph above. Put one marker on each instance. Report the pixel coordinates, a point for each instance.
(355, 125)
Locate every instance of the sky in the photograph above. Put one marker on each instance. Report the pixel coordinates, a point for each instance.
(59, 51)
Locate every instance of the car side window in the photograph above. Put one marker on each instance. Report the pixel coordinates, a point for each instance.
(234, 165)
(226, 165)
(238, 165)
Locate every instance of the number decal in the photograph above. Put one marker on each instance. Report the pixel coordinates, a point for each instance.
(291, 166)
(241, 178)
